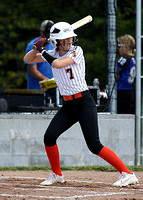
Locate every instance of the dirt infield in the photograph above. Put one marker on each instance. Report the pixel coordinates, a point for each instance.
(79, 185)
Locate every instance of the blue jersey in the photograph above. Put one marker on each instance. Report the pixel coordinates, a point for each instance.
(127, 68)
(44, 67)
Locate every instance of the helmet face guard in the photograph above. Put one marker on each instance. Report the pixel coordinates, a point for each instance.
(60, 31)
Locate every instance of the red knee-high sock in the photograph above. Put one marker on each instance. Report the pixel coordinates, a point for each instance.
(108, 155)
(53, 155)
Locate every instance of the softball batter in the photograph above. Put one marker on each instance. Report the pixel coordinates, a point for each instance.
(68, 67)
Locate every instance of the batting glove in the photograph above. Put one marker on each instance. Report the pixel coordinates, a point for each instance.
(42, 42)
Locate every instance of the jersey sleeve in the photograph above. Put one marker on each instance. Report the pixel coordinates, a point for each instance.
(123, 63)
(76, 55)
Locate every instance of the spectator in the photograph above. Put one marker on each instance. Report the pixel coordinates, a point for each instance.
(39, 71)
(126, 71)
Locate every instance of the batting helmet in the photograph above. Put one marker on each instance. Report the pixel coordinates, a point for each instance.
(59, 31)
(46, 26)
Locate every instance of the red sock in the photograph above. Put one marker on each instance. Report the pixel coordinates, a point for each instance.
(53, 155)
(108, 155)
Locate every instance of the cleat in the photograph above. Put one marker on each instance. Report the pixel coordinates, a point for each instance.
(125, 180)
(53, 179)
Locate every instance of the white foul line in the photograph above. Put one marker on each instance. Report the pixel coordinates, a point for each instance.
(90, 193)
(71, 197)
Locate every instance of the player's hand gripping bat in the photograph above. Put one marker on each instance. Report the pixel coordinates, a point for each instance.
(42, 42)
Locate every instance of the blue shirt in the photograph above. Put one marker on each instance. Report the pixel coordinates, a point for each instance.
(44, 67)
(127, 68)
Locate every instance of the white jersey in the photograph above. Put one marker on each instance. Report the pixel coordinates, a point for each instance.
(71, 79)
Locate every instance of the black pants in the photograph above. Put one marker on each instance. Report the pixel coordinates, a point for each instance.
(82, 110)
(125, 102)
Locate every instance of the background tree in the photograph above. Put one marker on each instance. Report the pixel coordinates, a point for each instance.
(20, 22)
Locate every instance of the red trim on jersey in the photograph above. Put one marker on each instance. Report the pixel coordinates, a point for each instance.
(74, 54)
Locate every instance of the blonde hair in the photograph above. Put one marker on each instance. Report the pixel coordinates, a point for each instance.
(129, 40)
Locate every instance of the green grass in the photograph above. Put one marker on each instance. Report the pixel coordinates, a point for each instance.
(79, 168)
